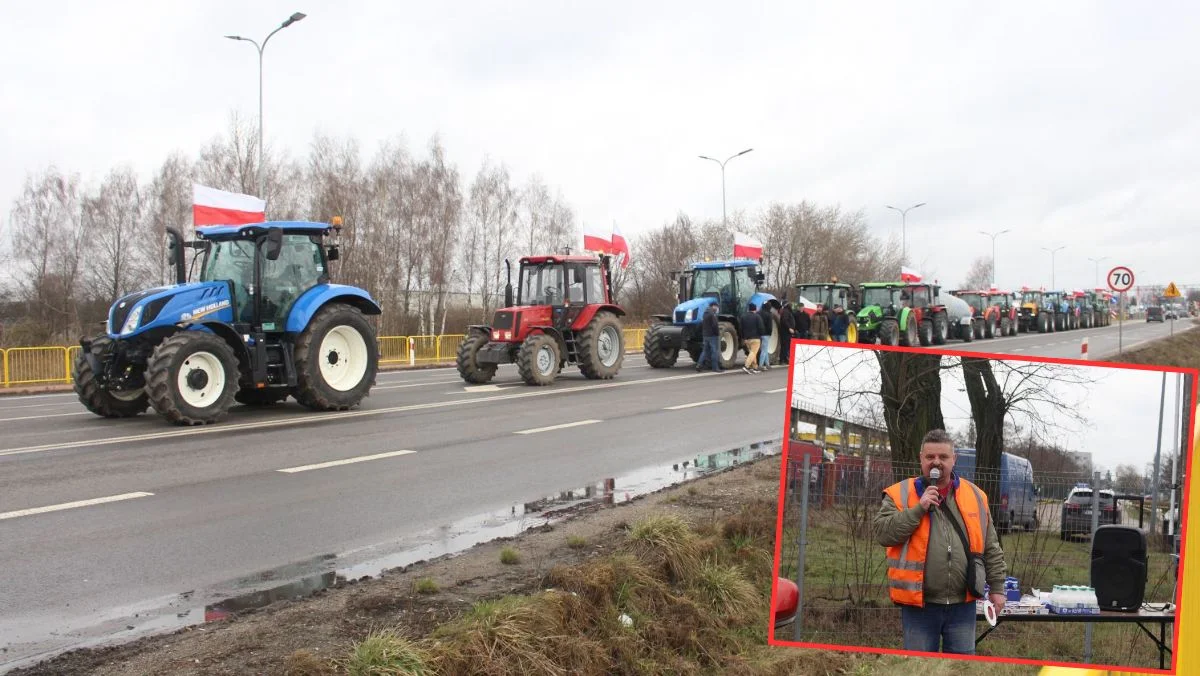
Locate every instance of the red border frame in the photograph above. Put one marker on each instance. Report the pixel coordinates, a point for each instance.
(771, 640)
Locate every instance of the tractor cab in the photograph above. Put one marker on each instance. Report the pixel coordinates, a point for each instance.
(555, 289)
(919, 295)
(829, 295)
(978, 300)
(731, 285)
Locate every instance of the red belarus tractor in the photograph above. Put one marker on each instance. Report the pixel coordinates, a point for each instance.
(564, 314)
(1010, 310)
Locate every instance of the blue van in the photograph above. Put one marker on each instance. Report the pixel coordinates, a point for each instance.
(1017, 504)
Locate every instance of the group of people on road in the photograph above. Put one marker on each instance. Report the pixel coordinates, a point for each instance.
(757, 324)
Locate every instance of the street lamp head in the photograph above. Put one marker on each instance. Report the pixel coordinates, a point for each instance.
(706, 157)
(235, 37)
(744, 152)
(293, 19)
(917, 205)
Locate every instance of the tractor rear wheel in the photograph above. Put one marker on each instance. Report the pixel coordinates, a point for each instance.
(264, 397)
(192, 378)
(967, 333)
(104, 402)
(941, 329)
(1043, 323)
(657, 353)
(468, 367)
(729, 344)
(909, 337)
(539, 360)
(773, 343)
(989, 327)
(889, 333)
(336, 359)
(601, 346)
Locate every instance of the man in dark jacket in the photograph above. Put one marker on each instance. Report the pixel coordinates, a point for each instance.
(787, 331)
(752, 329)
(710, 331)
(803, 323)
(839, 324)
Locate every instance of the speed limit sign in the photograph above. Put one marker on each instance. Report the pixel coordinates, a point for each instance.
(1120, 278)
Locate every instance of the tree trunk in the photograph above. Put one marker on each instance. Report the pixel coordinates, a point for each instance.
(911, 389)
(988, 408)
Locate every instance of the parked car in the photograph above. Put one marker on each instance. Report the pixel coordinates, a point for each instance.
(1077, 512)
(1018, 494)
(1154, 313)
(1171, 313)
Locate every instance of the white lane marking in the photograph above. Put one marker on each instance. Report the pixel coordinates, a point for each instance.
(18, 397)
(558, 427)
(347, 461)
(341, 415)
(39, 417)
(693, 404)
(10, 408)
(72, 505)
(1019, 349)
(472, 389)
(400, 387)
(782, 389)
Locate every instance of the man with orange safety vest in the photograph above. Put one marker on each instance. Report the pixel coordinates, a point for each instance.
(927, 560)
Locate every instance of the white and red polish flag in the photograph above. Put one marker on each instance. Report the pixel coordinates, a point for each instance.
(218, 207)
(595, 239)
(620, 246)
(745, 246)
(907, 274)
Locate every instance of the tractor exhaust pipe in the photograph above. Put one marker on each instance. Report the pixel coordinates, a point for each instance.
(508, 294)
(175, 254)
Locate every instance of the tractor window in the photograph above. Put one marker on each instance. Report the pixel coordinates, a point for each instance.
(575, 284)
(880, 297)
(298, 269)
(744, 286)
(541, 284)
(714, 284)
(595, 285)
(233, 260)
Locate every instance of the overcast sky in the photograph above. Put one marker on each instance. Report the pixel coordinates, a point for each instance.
(1120, 406)
(1070, 123)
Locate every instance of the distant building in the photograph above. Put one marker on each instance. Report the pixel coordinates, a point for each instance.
(1081, 458)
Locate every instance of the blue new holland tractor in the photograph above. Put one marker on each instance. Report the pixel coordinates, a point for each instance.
(733, 285)
(262, 323)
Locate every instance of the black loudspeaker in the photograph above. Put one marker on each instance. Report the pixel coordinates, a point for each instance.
(1119, 567)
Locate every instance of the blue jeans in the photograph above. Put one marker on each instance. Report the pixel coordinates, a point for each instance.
(712, 349)
(764, 357)
(951, 625)
(840, 338)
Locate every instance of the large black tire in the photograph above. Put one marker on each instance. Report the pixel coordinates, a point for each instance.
(941, 329)
(989, 327)
(192, 378)
(470, 369)
(337, 358)
(1005, 327)
(658, 354)
(539, 360)
(774, 342)
(977, 328)
(102, 402)
(967, 333)
(729, 344)
(601, 346)
(264, 397)
(910, 336)
(1043, 323)
(889, 332)
(925, 332)
(695, 352)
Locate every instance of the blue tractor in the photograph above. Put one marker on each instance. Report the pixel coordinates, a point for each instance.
(262, 323)
(734, 285)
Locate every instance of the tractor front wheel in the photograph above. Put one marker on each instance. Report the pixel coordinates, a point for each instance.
(728, 343)
(889, 333)
(601, 347)
(468, 367)
(102, 402)
(539, 360)
(909, 337)
(336, 359)
(192, 378)
(657, 353)
(941, 329)
(925, 333)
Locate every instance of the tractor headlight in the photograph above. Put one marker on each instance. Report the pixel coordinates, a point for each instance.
(131, 323)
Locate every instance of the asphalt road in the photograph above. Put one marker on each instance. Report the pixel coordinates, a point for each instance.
(190, 509)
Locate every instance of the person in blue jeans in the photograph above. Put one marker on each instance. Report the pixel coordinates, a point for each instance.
(710, 331)
(764, 352)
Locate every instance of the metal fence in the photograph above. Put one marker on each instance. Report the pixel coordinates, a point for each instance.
(52, 365)
(829, 549)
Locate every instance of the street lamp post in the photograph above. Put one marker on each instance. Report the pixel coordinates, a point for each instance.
(1097, 262)
(994, 236)
(903, 228)
(1052, 252)
(724, 217)
(262, 174)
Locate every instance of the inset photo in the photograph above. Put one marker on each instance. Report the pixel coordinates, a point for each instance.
(983, 507)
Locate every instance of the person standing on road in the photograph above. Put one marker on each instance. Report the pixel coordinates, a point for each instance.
(839, 325)
(921, 518)
(710, 331)
(787, 331)
(752, 330)
(803, 323)
(764, 347)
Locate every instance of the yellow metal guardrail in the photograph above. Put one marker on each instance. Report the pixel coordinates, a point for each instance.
(52, 365)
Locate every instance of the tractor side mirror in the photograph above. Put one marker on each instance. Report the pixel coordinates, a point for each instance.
(333, 253)
(759, 278)
(175, 254)
(274, 244)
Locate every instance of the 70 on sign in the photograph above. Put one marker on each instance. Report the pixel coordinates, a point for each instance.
(1120, 279)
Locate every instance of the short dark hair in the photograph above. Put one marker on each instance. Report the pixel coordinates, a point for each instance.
(750, 306)
(937, 436)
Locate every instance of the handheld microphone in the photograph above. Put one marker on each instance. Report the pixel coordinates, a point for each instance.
(935, 473)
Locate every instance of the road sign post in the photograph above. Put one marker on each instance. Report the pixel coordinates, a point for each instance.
(1172, 292)
(1120, 279)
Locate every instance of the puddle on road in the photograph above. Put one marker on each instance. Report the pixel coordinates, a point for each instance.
(28, 641)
